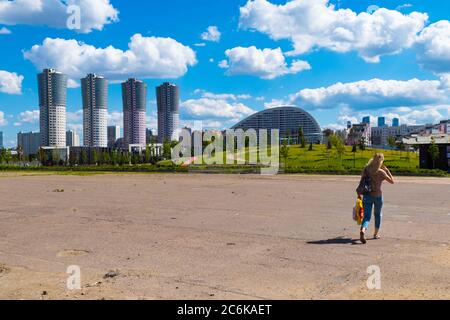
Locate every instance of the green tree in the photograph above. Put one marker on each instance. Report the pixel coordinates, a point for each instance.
(362, 146)
(84, 157)
(147, 154)
(354, 151)
(121, 159)
(101, 157)
(2, 155)
(134, 158)
(433, 150)
(310, 147)
(55, 157)
(73, 159)
(20, 153)
(42, 156)
(114, 157)
(392, 142)
(167, 149)
(106, 158)
(301, 138)
(126, 158)
(95, 157)
(338, 144)
(9, 156)
(284, 152)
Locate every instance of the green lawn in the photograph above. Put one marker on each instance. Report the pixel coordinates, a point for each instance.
(318, 161)
(322, 158)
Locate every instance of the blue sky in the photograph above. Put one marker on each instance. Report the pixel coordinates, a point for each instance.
(338, 60)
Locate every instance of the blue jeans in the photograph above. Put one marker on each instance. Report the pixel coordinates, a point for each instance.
(368, 203)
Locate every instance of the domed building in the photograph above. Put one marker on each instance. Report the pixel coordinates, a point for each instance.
(287, 119)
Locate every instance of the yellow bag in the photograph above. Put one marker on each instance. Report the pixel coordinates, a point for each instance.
(359, 211)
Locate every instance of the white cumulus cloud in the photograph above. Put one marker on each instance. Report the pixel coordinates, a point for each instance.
(10, 82)
(76, 116)
(212, 33)
(215, 108)
(433, 47)
(29, 116)
(318, 24)
(373, 94)
(94, 14)
(216, 111)
(265, 63)
(223, 64)
(274, 103)
(115, 118)
(146, 57)
(222, 96)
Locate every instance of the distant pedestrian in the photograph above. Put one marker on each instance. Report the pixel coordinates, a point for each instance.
(377, 172)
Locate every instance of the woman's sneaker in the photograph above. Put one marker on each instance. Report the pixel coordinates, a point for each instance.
(362, 237)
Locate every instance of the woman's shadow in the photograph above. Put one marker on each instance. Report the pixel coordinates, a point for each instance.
(338, 240)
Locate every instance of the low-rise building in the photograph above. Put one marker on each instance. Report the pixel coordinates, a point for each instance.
(343, 133)
(72, 139)
(88, 155)
(360, 133)
(113, 135)
(423, 142)
(380, 135)
(150, 137)
(444, 126)
(53, 155)
(29, 143)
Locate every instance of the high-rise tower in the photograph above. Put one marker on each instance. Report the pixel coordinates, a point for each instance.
(134, 95)
(52, 107)
(95, 110)
(168, 99)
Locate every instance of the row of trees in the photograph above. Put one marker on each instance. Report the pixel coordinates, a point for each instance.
(111, 157)
(89, 157)
(8, 157)
(99, 157)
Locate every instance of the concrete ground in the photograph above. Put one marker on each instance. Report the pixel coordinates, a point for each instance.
(218, 237)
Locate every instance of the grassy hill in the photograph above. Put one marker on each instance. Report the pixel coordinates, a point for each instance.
(300, 160)
(320, 158)
(323, 161)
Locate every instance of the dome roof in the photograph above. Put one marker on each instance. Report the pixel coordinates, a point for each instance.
(287, 119)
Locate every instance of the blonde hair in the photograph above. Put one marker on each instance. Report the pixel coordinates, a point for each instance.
(375, 164)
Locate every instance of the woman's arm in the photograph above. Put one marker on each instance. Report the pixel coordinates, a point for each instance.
(389, 177)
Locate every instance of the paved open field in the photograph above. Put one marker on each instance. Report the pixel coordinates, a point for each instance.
(218, 237)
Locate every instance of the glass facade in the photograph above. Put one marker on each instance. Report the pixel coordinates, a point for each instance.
(52, 88)
(168, 100)
(134, 96)
(287, 119)
(95, 116)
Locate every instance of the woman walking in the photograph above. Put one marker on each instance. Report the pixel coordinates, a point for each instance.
(377, 172)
